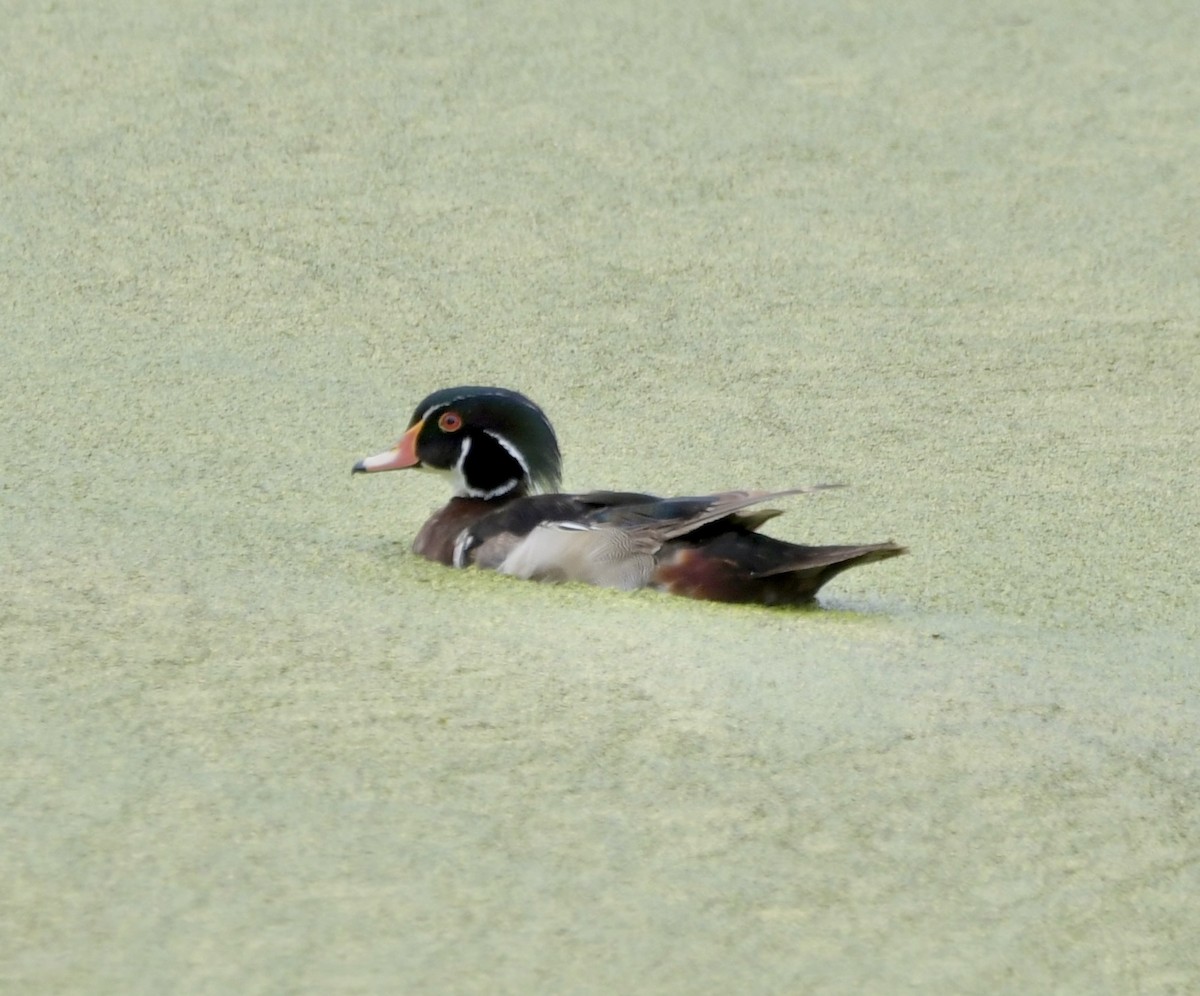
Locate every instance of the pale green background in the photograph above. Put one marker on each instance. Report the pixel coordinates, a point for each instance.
(947, 253)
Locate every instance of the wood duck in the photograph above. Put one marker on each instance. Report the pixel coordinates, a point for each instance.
(506, 514)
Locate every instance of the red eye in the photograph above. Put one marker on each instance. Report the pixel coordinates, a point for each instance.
(450, 422)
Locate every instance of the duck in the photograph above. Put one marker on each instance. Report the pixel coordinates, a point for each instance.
(506, 513)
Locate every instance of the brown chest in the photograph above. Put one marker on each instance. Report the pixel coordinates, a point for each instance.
(436, 539)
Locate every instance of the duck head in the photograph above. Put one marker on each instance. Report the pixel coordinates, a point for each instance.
(494, 443)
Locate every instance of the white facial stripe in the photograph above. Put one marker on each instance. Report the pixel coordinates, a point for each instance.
(459, 479)
(442, 404)
(461, 489)
(460, 397)
(512, 451)
(504, 488)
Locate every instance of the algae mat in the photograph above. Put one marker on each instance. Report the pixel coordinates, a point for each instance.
(942, 254)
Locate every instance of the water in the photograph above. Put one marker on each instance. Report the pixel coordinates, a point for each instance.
(253, 744)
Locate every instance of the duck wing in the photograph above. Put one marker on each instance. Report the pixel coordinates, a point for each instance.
(615, 545)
